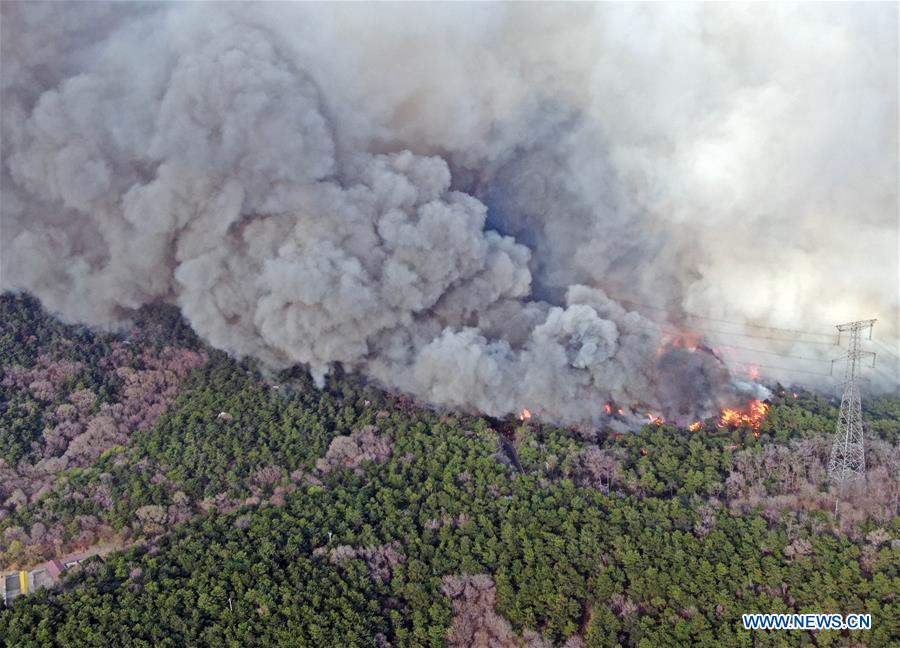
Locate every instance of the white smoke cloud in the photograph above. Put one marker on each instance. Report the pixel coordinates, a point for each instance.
(448, 202)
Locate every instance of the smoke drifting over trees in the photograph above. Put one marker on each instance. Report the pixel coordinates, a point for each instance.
(447, 203)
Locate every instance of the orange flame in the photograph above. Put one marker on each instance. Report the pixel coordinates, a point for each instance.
(696, 425)
(658, 420)
(525, 415)
(674, 339)
(608, 408)
(752, 416)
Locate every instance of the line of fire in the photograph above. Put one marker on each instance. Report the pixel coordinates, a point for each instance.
(749, 414)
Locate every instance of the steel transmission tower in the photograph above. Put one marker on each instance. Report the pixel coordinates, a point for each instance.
(848, 461)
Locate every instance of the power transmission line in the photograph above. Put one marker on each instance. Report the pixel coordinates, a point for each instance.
(774, 353)
(760, 326)
(885, 349)
(788, 369)
(771, 338)
(722, 321)
(750, 335)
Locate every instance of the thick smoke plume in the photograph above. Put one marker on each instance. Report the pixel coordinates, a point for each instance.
(490, 207)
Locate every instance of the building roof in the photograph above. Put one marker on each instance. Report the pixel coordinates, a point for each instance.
(55, 568)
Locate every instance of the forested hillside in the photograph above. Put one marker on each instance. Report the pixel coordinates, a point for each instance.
(253, 509)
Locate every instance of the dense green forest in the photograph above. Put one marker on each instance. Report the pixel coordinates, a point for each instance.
(257, 510)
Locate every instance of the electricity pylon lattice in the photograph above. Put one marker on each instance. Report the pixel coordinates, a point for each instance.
(848, 459)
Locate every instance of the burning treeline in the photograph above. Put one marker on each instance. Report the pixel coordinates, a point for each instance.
(750, 413)
(445, 204)
(750, 416)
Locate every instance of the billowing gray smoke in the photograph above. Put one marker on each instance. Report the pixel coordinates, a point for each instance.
(457, 200)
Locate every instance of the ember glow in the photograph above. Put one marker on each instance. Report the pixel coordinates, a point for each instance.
(658, 420)
(609, 408)
(750, 416)
(673, 339)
